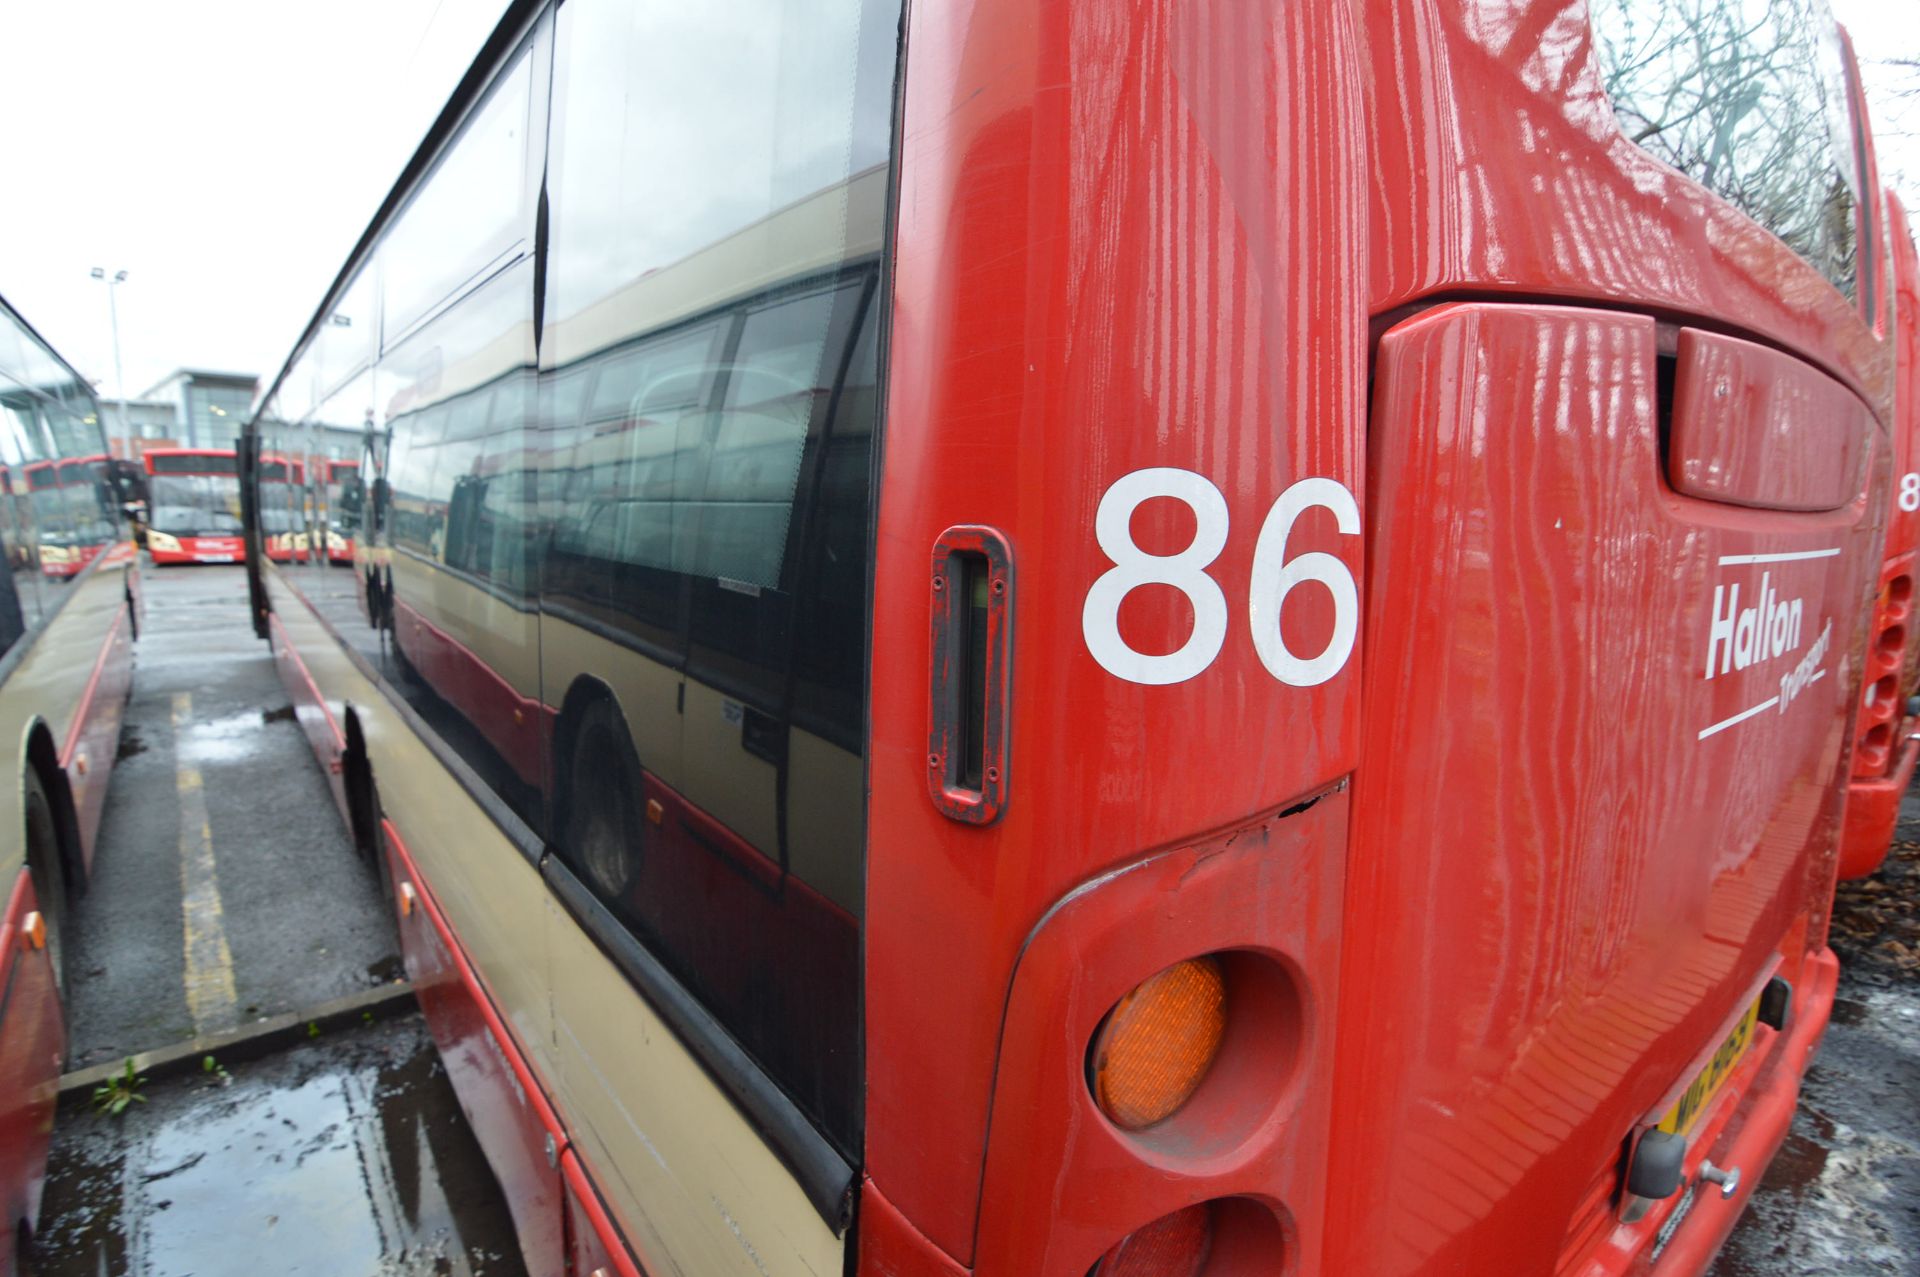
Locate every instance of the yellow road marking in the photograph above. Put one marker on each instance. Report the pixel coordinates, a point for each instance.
(209, 965)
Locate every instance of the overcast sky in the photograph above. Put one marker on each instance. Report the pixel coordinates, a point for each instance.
(228, 153)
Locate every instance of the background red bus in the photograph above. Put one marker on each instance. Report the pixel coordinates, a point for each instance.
(193, 497)
(283, 517)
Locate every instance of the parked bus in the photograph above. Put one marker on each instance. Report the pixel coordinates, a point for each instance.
(1887, 735)
(68, 499)
(346, 498)
(283, 522)
(68, 614)
(857, 678)
(195, 502)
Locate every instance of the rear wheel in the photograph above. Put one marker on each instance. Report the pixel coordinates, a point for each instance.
(45, 870)
(605, 831)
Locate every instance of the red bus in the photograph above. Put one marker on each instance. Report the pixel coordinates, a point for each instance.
(283, 519)
(1125, 637)
(66, 668)
(193, 497)
(1887, 736)
(345, 499)
(69, 510)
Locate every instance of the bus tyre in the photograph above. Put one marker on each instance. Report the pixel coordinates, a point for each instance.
(45, 870)
(605, 831)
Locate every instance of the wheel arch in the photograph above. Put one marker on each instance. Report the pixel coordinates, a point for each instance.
(40, 753)
(363, 816)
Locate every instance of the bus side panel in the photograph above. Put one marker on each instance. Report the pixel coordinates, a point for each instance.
(1128, 336)
(32, 1043)
(310, 711)
(593, 1243)
(509, 1116)
(687, 1179)
(94, 737)
(487, 889)
(1888, 746)
(685, 1175)
(1600, 788)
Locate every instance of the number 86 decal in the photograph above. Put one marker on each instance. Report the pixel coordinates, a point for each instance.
(1274, 575)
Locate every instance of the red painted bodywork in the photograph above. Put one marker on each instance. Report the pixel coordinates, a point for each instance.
(33, 1041)
(200, 550)
(1749, 430)
(93, 737)
(1562, 890)
(1492, 892)
(311, 712)
(513, 724)
(1886, 745)
(593, 1239)
(1128, 236)
(506, 1106)
(1153, 235)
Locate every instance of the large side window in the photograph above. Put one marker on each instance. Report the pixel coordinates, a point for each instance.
(469, 215)
(1747, 98)
(717, 178)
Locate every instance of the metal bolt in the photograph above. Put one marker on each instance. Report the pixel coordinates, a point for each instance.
(999, 587)
(939, 583)
(993, 775)
(1728, 1179)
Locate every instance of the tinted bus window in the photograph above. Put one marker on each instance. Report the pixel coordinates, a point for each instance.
(1747, 98)
(707, 459)
(467, 215)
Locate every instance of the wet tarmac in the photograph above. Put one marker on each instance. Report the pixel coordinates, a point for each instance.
(348, 1155)
(219, 817)
(226, 891)
(1842, 1197)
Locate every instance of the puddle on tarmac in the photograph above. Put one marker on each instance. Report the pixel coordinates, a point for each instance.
(386, 970)
(351, 1157)
(130, 744)
(282, 715)
(231, 738)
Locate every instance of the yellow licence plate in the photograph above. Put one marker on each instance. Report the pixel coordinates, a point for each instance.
(1707, 1083)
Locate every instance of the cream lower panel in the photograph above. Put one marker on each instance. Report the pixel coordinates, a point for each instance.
(826, 818)
(489, 892)
(735, 787)
(47, 685)
(505, 638)
(698, 1191)
(648, 691)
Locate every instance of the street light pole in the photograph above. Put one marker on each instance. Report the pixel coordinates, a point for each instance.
(119, 378)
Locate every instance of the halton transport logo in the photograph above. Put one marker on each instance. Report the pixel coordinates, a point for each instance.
(1770, 627)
